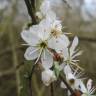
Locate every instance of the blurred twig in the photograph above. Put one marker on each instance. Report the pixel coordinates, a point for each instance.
(8, 50)
(13, 47)
(52, 89)
(66, 3)
(7, 72)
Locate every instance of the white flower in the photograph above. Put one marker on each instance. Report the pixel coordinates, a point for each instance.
(37, 39)
(48, 76)
(73, 78)
(57, 39)
(76, 82)
(89, 89)
(69, 54)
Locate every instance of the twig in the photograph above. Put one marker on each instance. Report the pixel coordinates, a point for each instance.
(52, 89)
(30, 79)
(32, 2)
(31, 10)
(8, 50)
(73, 92)
(67, 85)
(67, 4)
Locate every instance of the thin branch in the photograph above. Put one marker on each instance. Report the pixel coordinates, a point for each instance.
(30, 79)
(7, 72)
(52, 89)
(67, 4)
(73, 92)
(67, 85)
(8, 50)
(33, 3)
(31, 11)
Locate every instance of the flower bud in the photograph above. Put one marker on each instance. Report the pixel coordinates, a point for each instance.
(48, 77)
(39, 15)
(70, 78)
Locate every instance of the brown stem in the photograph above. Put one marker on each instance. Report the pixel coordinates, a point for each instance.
(73, 92)
(67, 85)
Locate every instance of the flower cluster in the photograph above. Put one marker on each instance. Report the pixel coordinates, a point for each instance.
(50, 47)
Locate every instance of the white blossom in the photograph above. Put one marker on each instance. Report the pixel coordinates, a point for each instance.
(70, 54)
(48, 76)
(89, 89)
(37, 39)
(57, 39)
(73, 78)
(76, 82)
(46, 39)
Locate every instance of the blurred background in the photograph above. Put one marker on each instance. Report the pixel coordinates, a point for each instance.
(79, 18)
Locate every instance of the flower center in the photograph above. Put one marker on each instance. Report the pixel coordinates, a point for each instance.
(55, 33)
(71, 81)
(43, 44)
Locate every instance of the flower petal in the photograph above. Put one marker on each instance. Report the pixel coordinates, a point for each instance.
(45, 7)
(29, 37)
(45, 26)
(67, 69)
(65, 54)
(70, 76)
(47, 59)
(74, 45)
(31, 53)
(51, 43)
(82, 87)
(77, 54)
(51, 15)
(65, 40)
(58, 43)
(89, 85)
(62, 85)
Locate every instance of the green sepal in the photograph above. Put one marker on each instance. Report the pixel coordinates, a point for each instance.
(56, 69)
